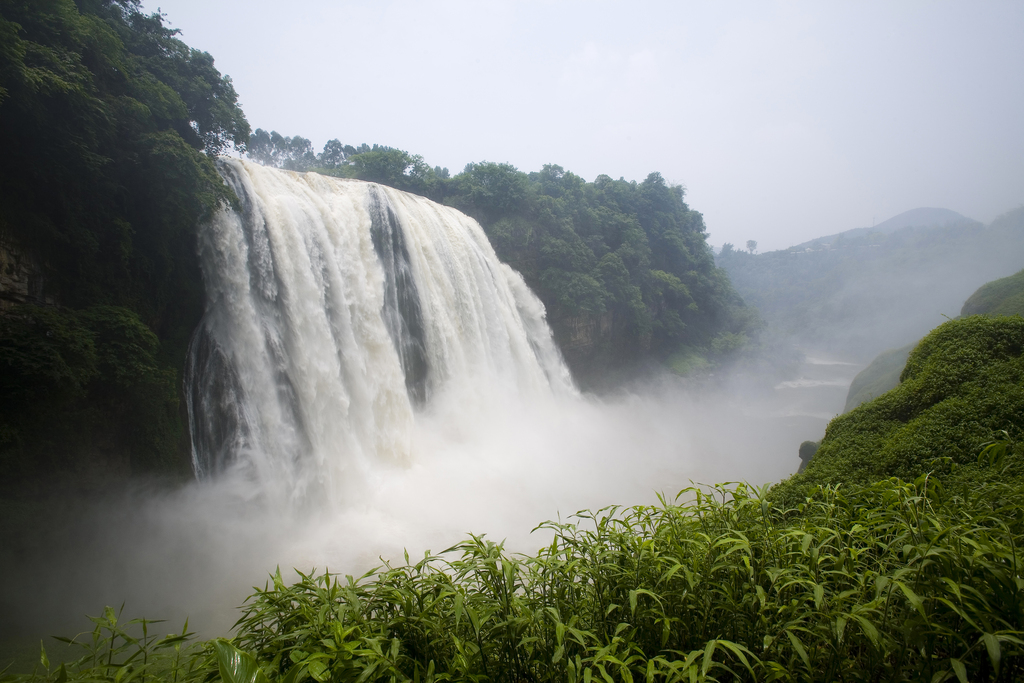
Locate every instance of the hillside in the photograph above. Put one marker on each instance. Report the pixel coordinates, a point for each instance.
(881, 375)
(923, 217)
(999, 297)
(961, 386)
(864, 291)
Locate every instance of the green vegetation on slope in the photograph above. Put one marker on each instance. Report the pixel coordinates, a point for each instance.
(887, 582)
(881, 375)
(999, 297)
(963, 383)
(628, 257)
(110, 126)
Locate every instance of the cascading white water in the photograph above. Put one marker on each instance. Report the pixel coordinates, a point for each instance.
(337, 310)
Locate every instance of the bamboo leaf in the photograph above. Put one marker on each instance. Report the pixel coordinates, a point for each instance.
(959, 669)
(294, 675)
(913, 597)
(799, 647)
(237, 666)
(318, 670)
(994, 650)
(709, 657)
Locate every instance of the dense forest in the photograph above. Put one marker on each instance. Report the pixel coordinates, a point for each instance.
(837, 293)
(111, 130)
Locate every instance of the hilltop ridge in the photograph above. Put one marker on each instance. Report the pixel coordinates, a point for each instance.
(923, 217)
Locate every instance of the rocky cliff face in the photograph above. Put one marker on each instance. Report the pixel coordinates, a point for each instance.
(587, 343)
(21, 277)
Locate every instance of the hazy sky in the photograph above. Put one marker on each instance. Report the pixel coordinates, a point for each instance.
(783, 120)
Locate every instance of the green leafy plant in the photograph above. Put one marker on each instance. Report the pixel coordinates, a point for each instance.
(890, 581)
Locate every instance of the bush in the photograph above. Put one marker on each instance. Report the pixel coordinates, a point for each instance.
(962, 383)
(885, 582)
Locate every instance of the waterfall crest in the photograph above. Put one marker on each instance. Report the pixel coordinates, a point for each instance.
(338, 311)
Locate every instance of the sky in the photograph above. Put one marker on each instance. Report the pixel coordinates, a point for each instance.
(784, 121)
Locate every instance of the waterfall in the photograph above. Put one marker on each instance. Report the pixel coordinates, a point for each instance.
(338, 313)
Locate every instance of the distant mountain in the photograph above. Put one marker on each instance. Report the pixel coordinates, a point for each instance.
(919, 218)
(861, 291)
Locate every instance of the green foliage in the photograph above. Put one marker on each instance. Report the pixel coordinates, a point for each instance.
(379, 164)
(962, 383)
(393, 167)
(117, 650)
(273, 149)
(881, 375)
(110, 125)
(999, 297)
(886, 582)
(688, 361)
(98, 369)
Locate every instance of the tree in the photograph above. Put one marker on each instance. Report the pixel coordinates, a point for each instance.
(273, 149)
(110, 126)
(751, 246)
(333, 155)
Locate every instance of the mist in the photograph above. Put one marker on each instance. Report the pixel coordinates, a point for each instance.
(196, 550)
(858, 293)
